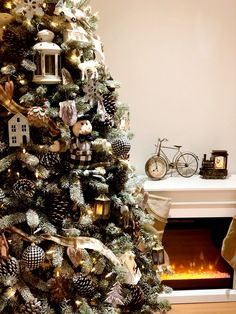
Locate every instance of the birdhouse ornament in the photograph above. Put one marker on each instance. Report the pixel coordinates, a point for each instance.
(80, 149)
(47, 59)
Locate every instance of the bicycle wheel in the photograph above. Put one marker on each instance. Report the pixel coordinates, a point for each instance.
(156, 167)
(187, 164)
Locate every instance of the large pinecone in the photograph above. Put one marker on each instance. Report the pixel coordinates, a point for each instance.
(84, 286)
(109, 101)
(117, 177)
(134, 297)
(31, 307)
(9, 267)
(58, 208)
(2, 195)
(49, 159)
(24, 188)
(15, 49)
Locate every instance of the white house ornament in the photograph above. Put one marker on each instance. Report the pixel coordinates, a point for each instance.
(18, 130)
(29, 8)
(47, 59)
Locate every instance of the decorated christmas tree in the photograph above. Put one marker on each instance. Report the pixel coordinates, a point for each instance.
(74, 231)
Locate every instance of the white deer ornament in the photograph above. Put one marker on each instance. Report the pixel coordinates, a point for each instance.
(87, 68)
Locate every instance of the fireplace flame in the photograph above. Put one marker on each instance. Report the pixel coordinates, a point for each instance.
(196, 269)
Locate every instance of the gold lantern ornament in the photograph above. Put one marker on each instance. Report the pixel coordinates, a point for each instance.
(102, 207)
(47, 59)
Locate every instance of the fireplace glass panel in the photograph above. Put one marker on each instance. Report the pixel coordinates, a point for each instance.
(193, 246)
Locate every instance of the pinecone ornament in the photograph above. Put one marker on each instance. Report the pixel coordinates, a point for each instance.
(33, 256)
(103, 125)
(84, 286)
(58, 208)
(9, 267)
(2, 195)
(24, 188)
(109, 101)
(15, 49)
(31, 307)
(49, 159)
(121, 147)
(117, 178)
(134, 297)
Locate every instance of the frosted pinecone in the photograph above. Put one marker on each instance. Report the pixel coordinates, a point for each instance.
(31, 307)
(9, 267)
(84, 286)
(24, 188)
(58, 209)
(2, 195)
(109, 101)
(49, 159)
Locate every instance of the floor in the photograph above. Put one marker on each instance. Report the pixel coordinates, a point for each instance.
(204, 308)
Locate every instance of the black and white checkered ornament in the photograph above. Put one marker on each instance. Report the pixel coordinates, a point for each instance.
(33, 256)
(121, 147)
(9, 267)
(24, 188)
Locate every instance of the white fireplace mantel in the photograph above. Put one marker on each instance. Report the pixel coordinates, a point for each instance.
(195, 197)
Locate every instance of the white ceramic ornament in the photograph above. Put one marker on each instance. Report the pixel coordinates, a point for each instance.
(18, 130)
(29, 8)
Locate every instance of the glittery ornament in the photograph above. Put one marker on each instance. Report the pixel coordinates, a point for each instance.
(121, 147)
(33, 256)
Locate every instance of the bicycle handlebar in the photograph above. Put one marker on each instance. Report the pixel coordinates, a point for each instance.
(162, 140)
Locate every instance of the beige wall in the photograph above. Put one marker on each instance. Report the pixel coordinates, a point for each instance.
(176, 61)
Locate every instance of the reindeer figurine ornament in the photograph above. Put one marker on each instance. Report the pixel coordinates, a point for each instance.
(88, 68)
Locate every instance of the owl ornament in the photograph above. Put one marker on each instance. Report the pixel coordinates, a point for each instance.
(80, 148)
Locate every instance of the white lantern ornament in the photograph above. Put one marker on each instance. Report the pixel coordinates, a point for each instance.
(47, 59)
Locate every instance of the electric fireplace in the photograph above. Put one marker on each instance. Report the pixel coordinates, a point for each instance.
(200, 214)
(193, 246)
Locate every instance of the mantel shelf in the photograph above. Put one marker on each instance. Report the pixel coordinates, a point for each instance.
(195, 183)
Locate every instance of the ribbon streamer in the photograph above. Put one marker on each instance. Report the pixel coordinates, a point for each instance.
(84, 243)
(10, 104)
